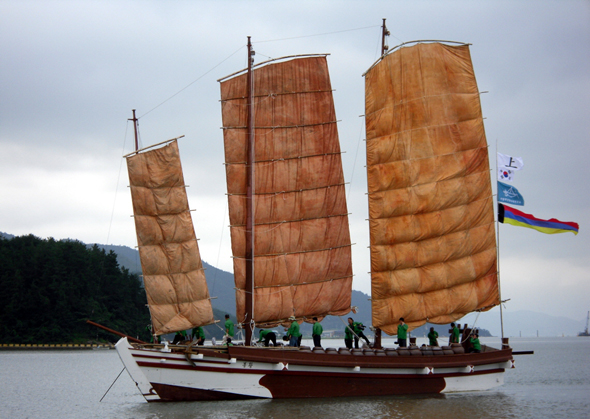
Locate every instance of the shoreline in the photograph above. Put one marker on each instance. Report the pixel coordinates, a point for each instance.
(59, 346)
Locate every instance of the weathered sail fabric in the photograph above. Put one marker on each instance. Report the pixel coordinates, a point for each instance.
(433, 245)
(302, 252)
(173, 273)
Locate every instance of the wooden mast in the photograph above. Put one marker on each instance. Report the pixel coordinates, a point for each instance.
(249, 289)
(384, 33)
(384, 48)
(134, 119)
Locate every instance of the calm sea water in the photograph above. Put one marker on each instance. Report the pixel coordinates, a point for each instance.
(555, 382)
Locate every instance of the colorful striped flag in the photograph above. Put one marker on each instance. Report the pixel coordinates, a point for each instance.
(509, 215)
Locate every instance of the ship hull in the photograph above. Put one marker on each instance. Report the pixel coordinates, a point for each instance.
(244, 373)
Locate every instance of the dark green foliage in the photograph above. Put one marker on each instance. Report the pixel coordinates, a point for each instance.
(50, 288)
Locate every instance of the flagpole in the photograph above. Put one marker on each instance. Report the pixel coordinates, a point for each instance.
(498, 249)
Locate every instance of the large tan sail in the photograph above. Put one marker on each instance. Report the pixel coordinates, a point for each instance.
(302, 257)
(433, 245)
(173, 273)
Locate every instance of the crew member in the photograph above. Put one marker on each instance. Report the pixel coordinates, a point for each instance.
(316, 333)
(433, 337)
(268, 336)
(293, 332)
(402, 333)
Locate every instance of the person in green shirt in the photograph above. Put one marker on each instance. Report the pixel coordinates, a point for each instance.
(267, 336)
(180, 336)
(433, 337)
(475, 345)
(229, 326)
(357, 328)
(348, 333)
(455, 333)
(402, 333)
(316, 333)
(293, 332)
(199, 334)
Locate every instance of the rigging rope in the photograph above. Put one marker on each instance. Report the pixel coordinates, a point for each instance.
(117, 187)
(193, 82)
(318, 34)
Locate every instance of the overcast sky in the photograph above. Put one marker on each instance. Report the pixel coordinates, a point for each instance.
(71, 71)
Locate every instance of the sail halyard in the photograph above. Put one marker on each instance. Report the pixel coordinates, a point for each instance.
(173, 274)
(433, 244)
(302, 259)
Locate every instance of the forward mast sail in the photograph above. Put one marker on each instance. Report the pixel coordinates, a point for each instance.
(173, 274)
(432, 236)
(302, 257)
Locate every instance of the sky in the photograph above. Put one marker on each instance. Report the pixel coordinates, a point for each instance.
(72, 71)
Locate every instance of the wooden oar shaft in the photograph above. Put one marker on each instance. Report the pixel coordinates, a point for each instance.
(123, 335)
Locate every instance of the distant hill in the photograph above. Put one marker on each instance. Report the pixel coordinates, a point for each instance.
(516, 323)
(523, 323)
(221, 288)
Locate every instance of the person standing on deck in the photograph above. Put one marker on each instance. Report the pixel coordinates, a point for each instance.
(433, 337)
(348, 333)
(455, 333)
(316, 333)
(229, 327)
(402, 333)
(357, 328)
(293, 332)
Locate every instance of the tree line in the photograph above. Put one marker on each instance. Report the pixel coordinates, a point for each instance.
(49, 288)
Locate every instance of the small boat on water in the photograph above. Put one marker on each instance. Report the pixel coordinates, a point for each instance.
(585, 332)
(431, 225)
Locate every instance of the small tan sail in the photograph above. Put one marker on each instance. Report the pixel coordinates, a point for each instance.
(173, 273)
(433, 245)
(302, 257)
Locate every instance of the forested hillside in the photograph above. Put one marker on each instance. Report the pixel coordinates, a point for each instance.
(50, 288)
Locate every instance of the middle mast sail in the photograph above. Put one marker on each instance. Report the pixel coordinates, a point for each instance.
(302, 256)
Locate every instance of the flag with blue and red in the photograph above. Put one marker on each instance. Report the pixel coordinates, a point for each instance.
(509, 215)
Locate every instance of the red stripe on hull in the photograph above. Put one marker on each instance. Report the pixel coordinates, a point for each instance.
(310, 385)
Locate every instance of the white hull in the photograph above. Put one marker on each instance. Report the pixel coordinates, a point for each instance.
(216, 375)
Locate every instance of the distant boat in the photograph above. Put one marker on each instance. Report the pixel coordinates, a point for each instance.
(585, 332)
(433, 244)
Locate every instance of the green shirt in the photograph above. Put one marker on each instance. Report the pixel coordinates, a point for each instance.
(229, 327)
(263, 334)
(475, 343)
(198, 332)
(294, 330)
(356, 327)
(402, 331)
(317, 329)
(455, 335)
(348, 332)
(432, 336)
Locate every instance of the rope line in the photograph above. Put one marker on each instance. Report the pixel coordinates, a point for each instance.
(319, 34)
(193, 82)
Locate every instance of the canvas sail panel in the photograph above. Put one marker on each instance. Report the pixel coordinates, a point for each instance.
(173, 273)
(433, 244)
(302, 259)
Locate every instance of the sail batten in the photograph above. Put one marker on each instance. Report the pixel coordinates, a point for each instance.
(431, 217)
(173, 273)
(302, 258)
